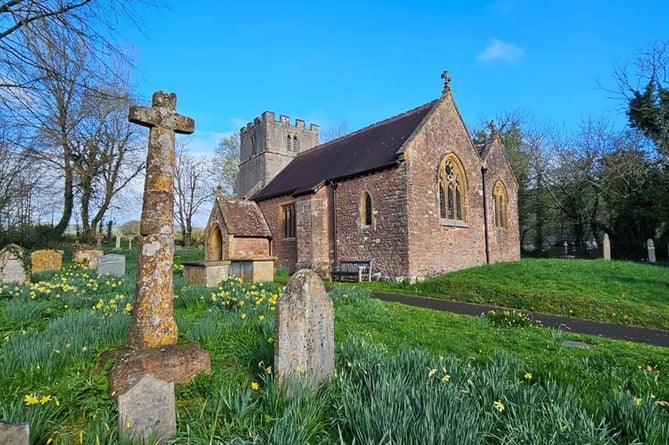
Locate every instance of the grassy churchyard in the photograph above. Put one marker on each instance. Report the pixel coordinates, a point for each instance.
(404, 375)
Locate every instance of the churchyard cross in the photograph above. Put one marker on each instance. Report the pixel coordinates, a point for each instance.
(153, 318)
(447, 81)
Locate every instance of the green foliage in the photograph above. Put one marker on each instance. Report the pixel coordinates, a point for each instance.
(403, 374)
(648, 111)
(614, 291)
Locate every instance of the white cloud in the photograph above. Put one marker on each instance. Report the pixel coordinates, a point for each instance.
(499, 50)
(202, 142)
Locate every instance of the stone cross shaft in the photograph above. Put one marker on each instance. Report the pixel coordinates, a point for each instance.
(153, 317)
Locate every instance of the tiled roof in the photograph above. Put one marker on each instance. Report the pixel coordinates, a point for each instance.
(369, 149)
(244, 218)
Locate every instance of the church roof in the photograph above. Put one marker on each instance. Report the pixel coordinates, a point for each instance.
(244, 218)
(372, 148)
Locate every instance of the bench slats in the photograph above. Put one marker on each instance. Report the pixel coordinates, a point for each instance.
(354, 269)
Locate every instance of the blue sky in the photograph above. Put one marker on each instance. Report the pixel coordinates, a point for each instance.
(358, 62)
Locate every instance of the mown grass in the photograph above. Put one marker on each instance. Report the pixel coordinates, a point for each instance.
(613, 291)
(403, 374)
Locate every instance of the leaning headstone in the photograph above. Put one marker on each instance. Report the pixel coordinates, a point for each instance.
(148, 410)
(11, 434)
(45, 260)
(118, 241)
(14, 267)
(113, 264)
(606, 247)
(98, 241)
(650, 245)
(304, 331)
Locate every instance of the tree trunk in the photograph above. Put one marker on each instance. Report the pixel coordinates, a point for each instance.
(68, 201)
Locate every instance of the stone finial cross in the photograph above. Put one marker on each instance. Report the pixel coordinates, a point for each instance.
(153, 318)
(447, 81)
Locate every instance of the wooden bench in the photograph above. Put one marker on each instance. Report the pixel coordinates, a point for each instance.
(352, 270)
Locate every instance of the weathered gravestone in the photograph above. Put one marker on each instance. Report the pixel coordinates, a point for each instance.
(11, 434)
(98, 241)
(14, 267)
(45, 260)
(113, 264)
(87, 258)
(304, 331)
(118, 241)
(153, 331)
(650, 245)
(606, 247)
(148, 410)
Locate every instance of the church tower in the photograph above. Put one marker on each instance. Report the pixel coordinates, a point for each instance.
(267, 146)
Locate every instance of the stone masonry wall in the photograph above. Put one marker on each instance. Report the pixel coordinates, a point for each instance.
(264, 152)
(385, 240)
(504, 242)
(436, 247)
(313, 231)
(283, 248)
(249, 247)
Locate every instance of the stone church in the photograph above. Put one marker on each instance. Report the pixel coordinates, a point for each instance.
(412, 193)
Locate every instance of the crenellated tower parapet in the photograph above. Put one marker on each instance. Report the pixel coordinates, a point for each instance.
(267, 146)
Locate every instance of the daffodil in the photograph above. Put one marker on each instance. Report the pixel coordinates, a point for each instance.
(498, 405)
(44, 400)
(31, 399)
(432, 372)
(255, 386)
(528, 376)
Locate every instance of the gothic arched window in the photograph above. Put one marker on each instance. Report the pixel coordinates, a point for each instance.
(452, 189)
(501, 200)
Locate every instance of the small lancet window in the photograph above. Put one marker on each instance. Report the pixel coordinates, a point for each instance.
(288, 145)
(501, 200)
(289, 224)
(296, 144)
(366, 209)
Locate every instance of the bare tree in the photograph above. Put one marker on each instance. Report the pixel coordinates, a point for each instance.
(91, 23)
(76, 124)
(106, 159)
(192, 188)
(335, 132)
(225, 163)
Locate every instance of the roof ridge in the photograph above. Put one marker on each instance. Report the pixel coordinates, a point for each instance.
(368, 127)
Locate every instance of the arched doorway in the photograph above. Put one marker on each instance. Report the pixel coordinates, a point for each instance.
(214, 245)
